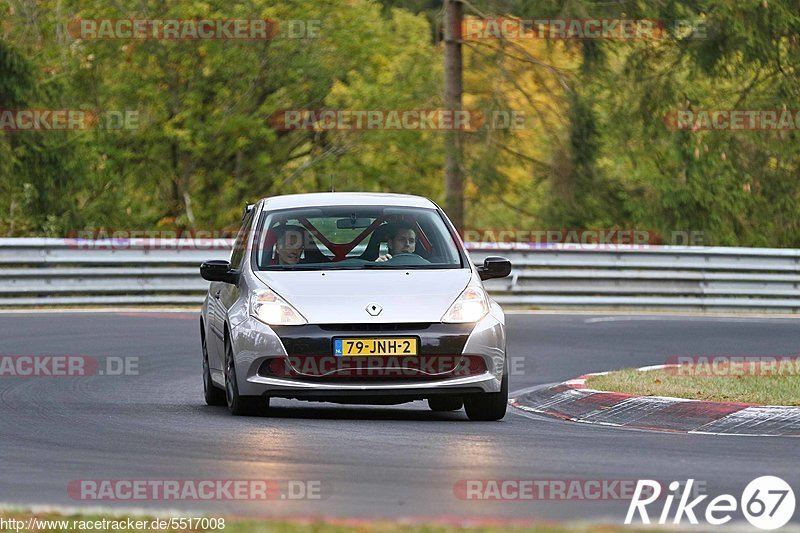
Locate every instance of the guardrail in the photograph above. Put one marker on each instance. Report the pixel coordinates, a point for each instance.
(64, 272)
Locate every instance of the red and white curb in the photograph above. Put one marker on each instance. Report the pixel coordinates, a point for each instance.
(572, 401)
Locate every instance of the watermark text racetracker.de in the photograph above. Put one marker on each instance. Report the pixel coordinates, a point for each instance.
(733, 119)
(52, 120)
(353, 120)
(54, 365)
(195, 489)
(193, 29)
(545, 489)
(607, 238)
(130, 239)
(386, 366)
(476, 29)
(732, 366)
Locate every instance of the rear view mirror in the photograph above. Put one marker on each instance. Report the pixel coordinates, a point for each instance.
(353, 223)
(494, 267)
(219, 270)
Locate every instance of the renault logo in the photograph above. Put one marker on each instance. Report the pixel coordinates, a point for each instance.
(374, 309)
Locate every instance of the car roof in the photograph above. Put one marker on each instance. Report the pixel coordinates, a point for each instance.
(323, 199)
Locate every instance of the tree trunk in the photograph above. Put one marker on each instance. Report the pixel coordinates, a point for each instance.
(453, 178)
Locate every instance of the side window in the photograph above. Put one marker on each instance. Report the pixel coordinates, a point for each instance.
(239, 247)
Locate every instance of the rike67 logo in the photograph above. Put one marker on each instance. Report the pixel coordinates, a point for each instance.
(767, 503)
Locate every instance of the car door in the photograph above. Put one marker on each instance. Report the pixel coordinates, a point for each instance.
(221, 296)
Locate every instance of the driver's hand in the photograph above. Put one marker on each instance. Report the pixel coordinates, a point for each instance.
(383, 258)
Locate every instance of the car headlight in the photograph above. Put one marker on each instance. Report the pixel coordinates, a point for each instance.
(273, 310)
(470, 306)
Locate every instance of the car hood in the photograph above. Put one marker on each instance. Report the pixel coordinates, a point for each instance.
(336, 297)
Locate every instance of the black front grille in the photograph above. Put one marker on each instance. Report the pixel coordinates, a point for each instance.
(375, 327)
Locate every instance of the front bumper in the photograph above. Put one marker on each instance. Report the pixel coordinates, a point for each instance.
(372, 393)
(257, 345)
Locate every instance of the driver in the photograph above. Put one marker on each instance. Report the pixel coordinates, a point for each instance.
(401, 239)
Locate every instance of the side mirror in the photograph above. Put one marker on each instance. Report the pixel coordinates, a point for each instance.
(494, 267)
(219, 270)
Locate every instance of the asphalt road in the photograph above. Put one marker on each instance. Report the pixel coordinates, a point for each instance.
(381, 462)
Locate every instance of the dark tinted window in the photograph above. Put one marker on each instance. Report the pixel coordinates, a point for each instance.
(240, 245)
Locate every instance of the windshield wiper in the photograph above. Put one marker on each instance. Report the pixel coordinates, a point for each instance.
(289, 267)
(384, 266)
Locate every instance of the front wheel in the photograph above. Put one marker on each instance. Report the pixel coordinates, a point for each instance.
(240, 405)
(489, 406)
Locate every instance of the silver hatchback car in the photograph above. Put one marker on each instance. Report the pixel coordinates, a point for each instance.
(352, 298)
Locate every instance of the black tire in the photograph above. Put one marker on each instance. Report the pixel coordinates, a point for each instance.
(489, 406)
(445, 403)
(240, 405)
(213, 394)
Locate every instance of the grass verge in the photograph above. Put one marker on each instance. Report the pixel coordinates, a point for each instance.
(761, 383)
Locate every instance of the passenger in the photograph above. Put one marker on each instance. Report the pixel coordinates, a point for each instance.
(401, 238)
(289, 244)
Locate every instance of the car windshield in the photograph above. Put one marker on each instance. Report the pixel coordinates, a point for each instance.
(354, 238)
